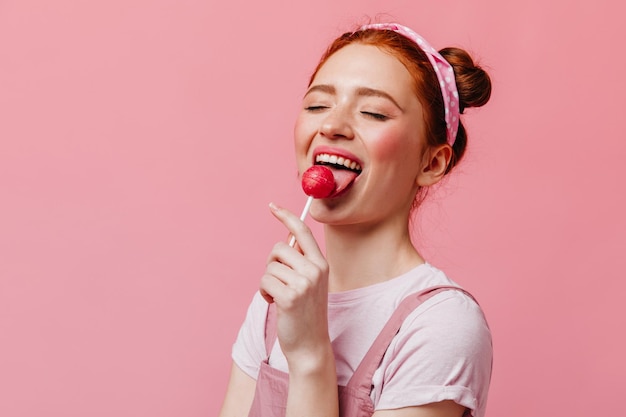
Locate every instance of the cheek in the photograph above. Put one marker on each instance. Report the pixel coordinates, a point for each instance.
(302, 139)
(395, 144)
(298, 130)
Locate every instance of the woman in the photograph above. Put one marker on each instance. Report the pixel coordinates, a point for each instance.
(371, 316)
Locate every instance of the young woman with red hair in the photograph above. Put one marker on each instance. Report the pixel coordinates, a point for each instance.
(369, 327)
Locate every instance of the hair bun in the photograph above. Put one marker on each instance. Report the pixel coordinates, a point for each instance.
(472, 81)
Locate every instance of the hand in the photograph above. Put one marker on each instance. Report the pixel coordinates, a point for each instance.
(296, 279)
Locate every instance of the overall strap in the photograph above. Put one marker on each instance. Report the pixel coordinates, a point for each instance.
(362, 377)
(270, 329)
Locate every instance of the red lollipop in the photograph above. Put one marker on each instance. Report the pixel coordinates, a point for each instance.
(318, 182)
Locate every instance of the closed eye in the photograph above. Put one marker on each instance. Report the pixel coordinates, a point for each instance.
(315, 108)
(376, 116)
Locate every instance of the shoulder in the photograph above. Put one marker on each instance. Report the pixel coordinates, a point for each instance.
(451, 315)
(258, 305)
(450, 321)
(443, 351)
(451, 310)
(256, 313)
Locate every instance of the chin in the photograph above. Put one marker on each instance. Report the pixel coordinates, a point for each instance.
(331, 213)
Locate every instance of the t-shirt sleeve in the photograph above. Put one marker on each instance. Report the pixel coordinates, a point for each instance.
(249, 348)
(443, 351)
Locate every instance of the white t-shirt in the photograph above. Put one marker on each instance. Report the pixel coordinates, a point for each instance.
(443, 350)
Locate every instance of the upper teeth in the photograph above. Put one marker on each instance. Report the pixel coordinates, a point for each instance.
(338, 160)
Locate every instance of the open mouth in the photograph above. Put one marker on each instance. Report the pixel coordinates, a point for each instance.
(344, 170)
(338, 162)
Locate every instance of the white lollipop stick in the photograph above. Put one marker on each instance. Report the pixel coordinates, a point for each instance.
(305, 211)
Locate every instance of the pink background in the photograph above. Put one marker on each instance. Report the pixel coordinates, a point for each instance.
(141, 141)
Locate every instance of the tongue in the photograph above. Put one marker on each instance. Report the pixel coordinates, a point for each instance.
(343, 179)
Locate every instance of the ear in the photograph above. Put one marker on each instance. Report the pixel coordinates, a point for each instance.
(434, 165)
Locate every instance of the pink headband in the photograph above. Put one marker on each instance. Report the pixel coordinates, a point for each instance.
(442, 68)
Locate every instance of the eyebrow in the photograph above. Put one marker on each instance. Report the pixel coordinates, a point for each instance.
(360, 91)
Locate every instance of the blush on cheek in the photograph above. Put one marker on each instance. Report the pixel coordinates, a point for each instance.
(396, 144)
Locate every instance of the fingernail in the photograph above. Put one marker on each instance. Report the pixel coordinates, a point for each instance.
(274, 207)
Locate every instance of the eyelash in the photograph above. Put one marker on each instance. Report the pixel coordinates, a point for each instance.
(375, 116)
(315, 108)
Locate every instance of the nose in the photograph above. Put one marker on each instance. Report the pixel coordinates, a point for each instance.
(337, 124)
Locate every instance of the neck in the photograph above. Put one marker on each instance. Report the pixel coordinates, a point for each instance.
(359, 256)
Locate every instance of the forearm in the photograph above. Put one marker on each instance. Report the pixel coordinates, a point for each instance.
(313, 388)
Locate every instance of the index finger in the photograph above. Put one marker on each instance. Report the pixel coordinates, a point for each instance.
(299, 230)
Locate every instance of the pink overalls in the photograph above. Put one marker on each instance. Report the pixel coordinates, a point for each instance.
(270, 398)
